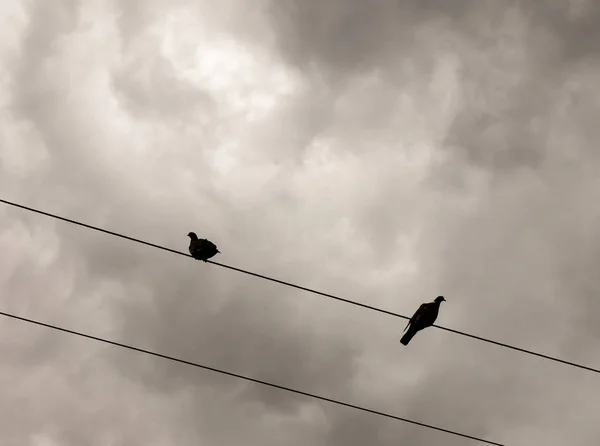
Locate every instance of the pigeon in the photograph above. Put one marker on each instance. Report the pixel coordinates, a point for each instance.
(424, 317)
(201, 248)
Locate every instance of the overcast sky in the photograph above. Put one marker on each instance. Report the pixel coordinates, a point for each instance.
(385, 151)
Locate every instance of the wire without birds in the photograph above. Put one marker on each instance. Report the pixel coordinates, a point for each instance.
(247, 378)
(330, 296)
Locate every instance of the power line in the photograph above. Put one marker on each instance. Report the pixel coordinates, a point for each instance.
(246, 378)
(330, 296)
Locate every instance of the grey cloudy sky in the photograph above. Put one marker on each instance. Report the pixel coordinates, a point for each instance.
(386, 151)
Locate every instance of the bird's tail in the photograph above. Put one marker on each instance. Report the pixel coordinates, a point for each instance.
(408, 336)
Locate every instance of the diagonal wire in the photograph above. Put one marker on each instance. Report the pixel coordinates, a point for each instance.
(330, 296)
(246, 378)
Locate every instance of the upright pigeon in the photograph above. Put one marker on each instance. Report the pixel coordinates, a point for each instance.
(201, 248)
(424, 317)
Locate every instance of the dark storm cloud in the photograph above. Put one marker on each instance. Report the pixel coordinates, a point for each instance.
(348, 36)
(360, 35)
(572, 22)
(508, 124)
(502, 123)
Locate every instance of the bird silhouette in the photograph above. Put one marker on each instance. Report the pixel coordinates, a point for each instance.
(201, 248)
(424, 317)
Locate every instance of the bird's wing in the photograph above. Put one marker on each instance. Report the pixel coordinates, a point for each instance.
(429, 316)
(420, 313)
(421, 310)
(415, 317)
(197, 246)
(412, 319)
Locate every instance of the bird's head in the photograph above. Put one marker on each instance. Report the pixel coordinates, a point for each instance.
(193, 236)
(440, 299)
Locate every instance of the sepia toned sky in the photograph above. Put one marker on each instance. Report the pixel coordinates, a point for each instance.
(383, 151)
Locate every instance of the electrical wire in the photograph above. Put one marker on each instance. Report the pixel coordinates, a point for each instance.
(246, 378)
(330, 296)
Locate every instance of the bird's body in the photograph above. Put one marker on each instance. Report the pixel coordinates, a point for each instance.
(424, 317)
(201, 248)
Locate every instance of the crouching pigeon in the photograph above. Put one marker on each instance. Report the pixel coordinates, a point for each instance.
(201, 248)
(424, 317)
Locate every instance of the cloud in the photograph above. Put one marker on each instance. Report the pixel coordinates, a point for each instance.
(383, 152)
(349, 37)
